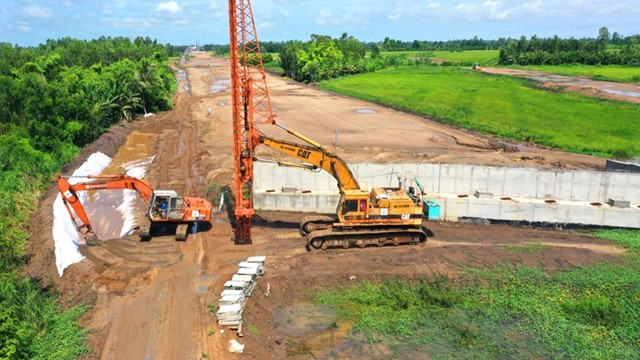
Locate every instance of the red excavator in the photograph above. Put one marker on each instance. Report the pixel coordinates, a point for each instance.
(166, 207)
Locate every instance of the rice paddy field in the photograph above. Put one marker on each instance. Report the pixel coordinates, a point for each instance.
(504, 106)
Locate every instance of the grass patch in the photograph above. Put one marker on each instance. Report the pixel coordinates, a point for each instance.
(504, 106)
(504, 312)
(519, 313)
(253, 329)
(629, 239)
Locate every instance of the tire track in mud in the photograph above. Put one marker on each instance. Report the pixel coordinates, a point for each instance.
(155, 302)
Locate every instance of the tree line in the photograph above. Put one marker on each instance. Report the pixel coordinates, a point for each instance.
(54, 99)
(323, 57)
(557, 51)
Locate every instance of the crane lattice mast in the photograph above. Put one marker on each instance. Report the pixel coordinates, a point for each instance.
(251, 105)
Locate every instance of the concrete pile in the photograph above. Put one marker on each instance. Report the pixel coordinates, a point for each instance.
(237, 290)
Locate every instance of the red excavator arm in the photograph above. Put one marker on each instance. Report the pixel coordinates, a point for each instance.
(69, 195)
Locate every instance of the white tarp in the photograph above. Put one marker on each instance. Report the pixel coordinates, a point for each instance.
(65, 235)
(131, 197)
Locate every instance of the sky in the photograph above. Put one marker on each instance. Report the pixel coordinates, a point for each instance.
(187, 22)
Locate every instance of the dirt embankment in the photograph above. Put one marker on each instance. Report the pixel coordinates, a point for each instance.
(151, 299)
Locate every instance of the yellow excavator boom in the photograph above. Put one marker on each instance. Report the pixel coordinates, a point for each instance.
(319, 157)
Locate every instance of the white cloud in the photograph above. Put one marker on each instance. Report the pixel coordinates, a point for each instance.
(324, 18)
(347, 18)
(495, 12)
(466, 9)
(169, 6)
(434, 6)
(24, 28)
(37, 12)
(284, 12)
(491, 4)
(267, 25)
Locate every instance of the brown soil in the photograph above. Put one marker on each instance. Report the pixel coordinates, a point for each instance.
(151, 299)
(629, 92)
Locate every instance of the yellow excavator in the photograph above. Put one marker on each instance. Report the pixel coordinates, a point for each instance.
(381, 216)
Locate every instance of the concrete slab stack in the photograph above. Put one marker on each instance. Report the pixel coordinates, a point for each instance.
(236, 291)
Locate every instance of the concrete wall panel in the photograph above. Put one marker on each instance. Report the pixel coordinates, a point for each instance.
(573, 191)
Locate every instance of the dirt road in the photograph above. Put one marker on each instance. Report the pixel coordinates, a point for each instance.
(629, 92)
(151, 299)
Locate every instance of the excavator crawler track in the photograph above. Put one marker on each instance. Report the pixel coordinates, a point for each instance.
(324, 239)
(314, 223)
(144, 232)
(181, 232)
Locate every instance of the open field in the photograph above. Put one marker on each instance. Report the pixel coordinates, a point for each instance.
(484, 57)
(504, 106)
(490, 58)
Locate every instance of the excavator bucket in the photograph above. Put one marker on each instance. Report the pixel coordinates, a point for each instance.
(91, 239)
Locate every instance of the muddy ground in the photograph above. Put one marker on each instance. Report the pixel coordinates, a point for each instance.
(151, 300)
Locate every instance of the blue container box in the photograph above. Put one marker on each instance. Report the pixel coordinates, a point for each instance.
(432, 209)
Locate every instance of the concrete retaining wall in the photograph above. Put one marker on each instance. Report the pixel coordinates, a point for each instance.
(555, 196)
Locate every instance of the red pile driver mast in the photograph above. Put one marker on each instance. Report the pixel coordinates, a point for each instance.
(251, 104)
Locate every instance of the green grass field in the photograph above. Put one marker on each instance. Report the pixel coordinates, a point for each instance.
(490, 58)
(509, 107)
(504, 312)
(596, 72)
(484, 57)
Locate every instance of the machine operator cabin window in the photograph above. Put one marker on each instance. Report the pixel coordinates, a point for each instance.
(350, 206)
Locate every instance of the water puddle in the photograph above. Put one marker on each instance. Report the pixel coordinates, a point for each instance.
(183, 81)
(220, 86)
(366, 111)
(314, 326)
(114, 212)
(540, 78)
(623, 93)
(298, 320)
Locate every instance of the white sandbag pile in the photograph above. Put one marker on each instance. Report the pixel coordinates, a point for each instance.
(233, 297)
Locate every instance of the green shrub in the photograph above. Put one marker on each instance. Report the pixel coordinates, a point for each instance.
(594, 308)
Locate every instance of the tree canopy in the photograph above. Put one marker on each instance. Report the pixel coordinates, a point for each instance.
(54, 99)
